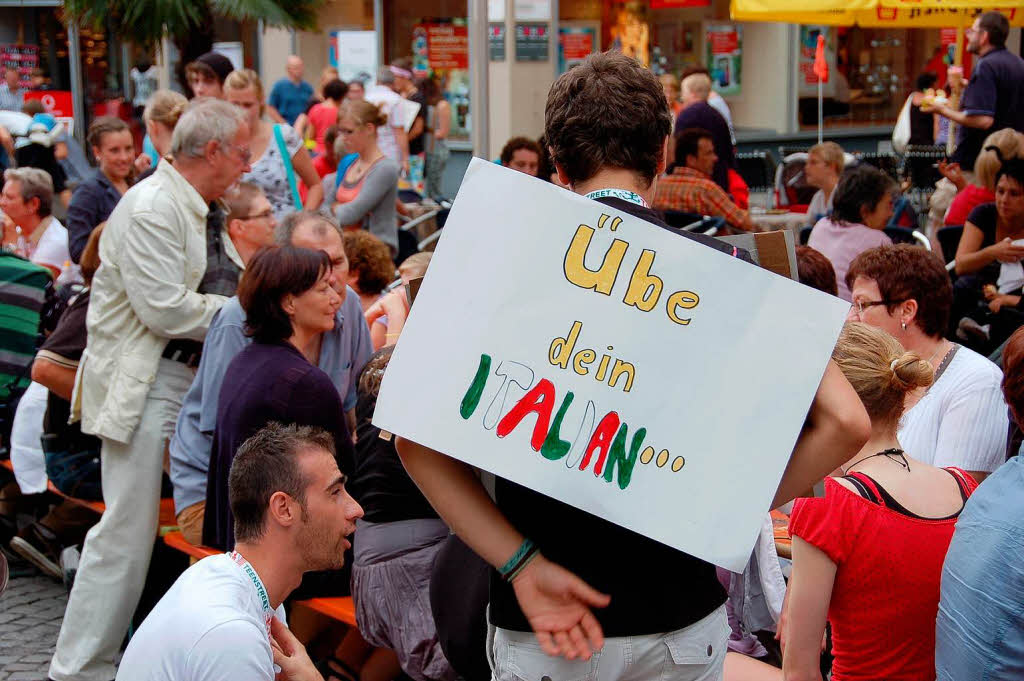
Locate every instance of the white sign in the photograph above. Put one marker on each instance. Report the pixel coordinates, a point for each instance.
(609, 363)
(496, 10)
(354, 54)
(532, 10)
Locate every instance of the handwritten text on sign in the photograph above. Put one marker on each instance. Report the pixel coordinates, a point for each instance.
(609, 363)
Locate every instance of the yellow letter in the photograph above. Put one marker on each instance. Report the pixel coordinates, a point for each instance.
(602, 367)
(644, 287)
(684, 299)
(619, 369)
(561, 348)
(582, 359)
(576, 271)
